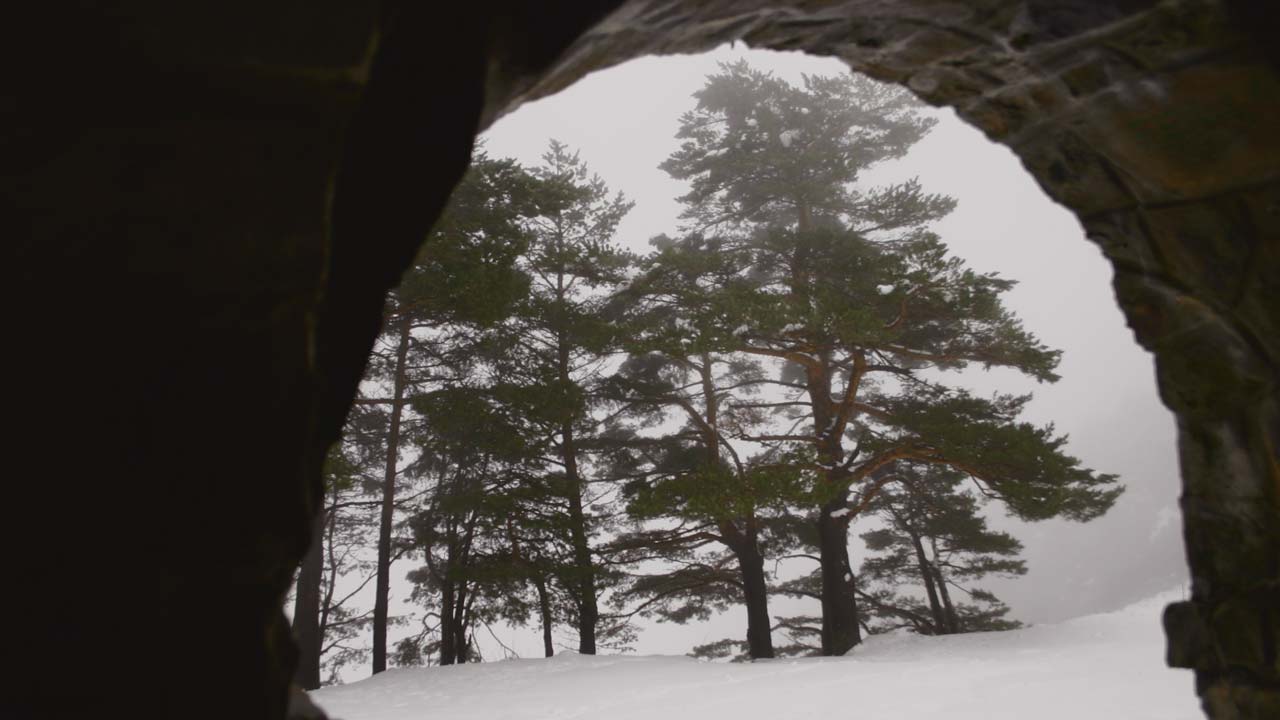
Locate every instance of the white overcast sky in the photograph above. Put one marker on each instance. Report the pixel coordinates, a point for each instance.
(623, 121)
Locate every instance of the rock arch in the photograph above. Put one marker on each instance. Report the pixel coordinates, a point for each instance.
(207, 202)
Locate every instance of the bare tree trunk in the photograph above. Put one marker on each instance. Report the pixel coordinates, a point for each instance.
(584, 581)
(382, 589)
(544, 607)
(448, 642)
(584, 565)
(306, 609)
(744, 545)
(953, 620)
(756, 596)
(940, 624)
(455, 598)
(461, 641)
(840, 628)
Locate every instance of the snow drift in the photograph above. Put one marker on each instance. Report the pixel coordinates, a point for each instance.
(1097, 667)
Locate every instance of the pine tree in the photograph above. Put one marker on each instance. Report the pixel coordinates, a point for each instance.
(759, 151)
(721, 499)
(465, 275)
(525, 397)
(862, 306)
(725, 503)
(540, 369)
(459, 534)
(936, 539)
(489, 529)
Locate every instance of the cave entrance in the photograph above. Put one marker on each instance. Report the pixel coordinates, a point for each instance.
(193, 154)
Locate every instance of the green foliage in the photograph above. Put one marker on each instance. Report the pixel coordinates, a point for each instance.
(849, 288)
(860, 309)
(466, 272)
(735, 650)
(342, 469)
(778, 290)
(691, 591)
(757, 149)
(1022, 464)
(465, 420)
(901, 309)
(711, 493)
(936, 541)
(518, 415)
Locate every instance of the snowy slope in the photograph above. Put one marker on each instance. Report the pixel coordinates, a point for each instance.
(1099, 667)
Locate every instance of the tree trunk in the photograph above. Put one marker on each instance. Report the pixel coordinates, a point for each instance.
(461, 643)
(804, 216)
(840, 627)
(306, 610)
(953, 620)
(382, 589)
(744, 545)
(461, 611)
(448, 643)
(840, 630)
(455, 598)
(940, 624)
(756, 595)
(584, 566)
(544, 607)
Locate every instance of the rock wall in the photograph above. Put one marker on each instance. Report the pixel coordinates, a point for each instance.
(206, 202)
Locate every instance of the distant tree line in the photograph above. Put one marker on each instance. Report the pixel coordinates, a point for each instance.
(555, 432)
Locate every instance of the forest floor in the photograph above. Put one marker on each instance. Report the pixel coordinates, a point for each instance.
(1099, 667)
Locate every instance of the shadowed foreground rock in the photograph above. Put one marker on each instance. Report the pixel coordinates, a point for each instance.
(206, 202)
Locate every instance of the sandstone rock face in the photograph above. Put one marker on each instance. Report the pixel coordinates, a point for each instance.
(206, 203)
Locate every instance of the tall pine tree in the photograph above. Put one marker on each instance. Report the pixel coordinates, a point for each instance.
(862, 306)
(465, 275)
(724, 499)
(546, 362)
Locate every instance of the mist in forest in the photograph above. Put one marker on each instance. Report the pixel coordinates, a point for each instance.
(619, 156)
(623, 122)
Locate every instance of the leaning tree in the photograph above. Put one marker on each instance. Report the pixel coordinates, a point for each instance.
(934, 538)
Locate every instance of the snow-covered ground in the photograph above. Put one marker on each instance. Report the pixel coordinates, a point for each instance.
(1100, 667)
